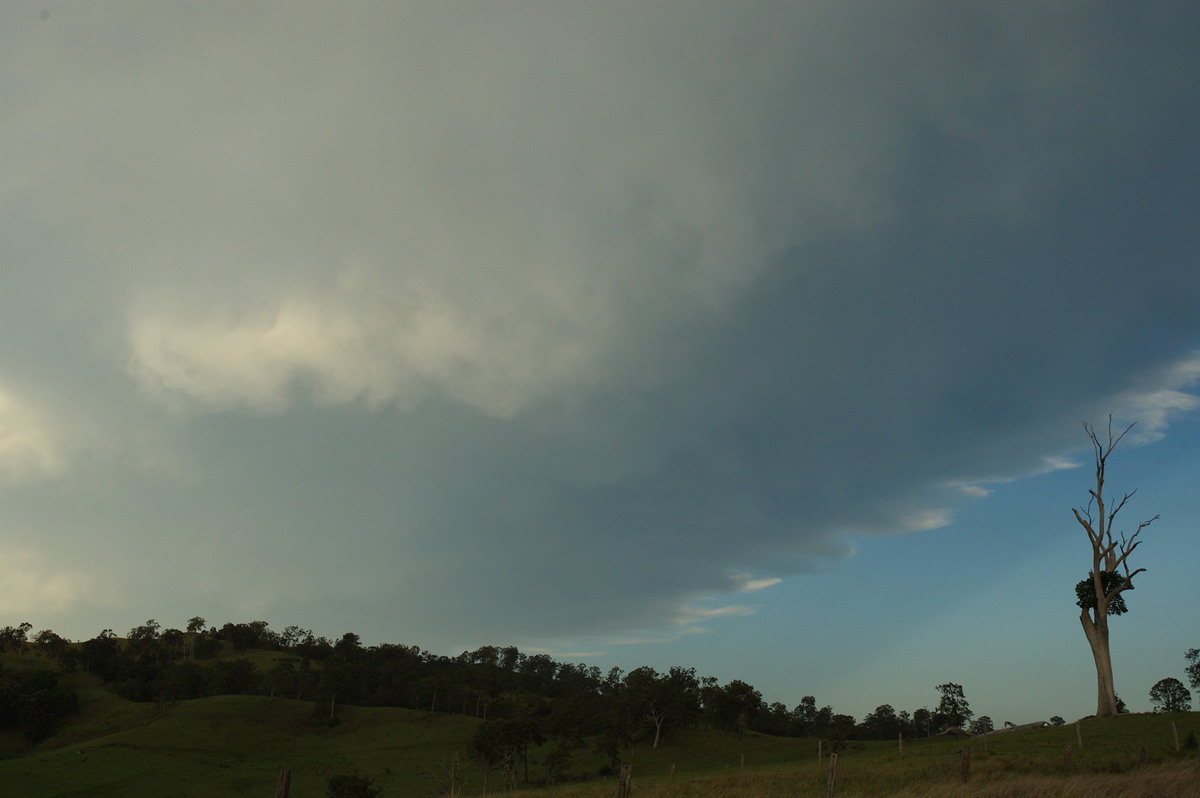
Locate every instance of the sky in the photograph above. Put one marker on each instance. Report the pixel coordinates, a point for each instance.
(752, 337)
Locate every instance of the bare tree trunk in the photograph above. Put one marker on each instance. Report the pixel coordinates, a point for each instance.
(658, 724)
(1097, 636)
(1110, 556)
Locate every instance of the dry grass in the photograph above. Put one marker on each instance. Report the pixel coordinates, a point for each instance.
(1173, 780)
(1022, 764)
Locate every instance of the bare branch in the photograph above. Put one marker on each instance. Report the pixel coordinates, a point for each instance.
(1120, 504)
(1126, 585)
(1128, 545)
(1103, 450)
(1112, 444)
(1086, 523)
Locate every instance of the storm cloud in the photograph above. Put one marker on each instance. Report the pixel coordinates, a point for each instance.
(444, 321)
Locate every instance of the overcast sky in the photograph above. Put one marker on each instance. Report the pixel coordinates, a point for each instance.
(754, 337)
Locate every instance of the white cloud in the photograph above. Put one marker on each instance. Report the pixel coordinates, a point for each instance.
(687, 622)
(472, 219)
(731, 610)
(343, 353)
(748, 584)
(1155, 412)
(927, 519)
(29, 447)
(30, 584)
(1157, 400)
(1057, 463)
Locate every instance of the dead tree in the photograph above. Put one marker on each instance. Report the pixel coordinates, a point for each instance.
(1100, 594)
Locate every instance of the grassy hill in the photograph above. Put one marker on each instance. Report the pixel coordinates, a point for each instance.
(236, 746)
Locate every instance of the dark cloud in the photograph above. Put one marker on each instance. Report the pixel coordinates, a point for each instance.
(541, 324)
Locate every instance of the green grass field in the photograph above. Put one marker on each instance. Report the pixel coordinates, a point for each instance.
(236, 746)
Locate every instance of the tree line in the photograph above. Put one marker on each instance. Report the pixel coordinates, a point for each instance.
(522, 700)
(529, 697)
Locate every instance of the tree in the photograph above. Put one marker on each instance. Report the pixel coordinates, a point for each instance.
(804, 716)
(348, 647)
(732, 706)
(1110, 575)
(952, 710)
(99, 653)
(840, 729)
(659, 697)
(34, 703)
(172, 641)
(245, 636)
(14, 638)
(51, 644)
(503, 742)
(1169, 695)
(143, 641)
(982, 725)
(1193, 670)
(923, 721)
(882, 724)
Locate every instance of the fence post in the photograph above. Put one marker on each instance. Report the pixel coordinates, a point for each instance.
(966, 763)
(623, 784)
(1067, 759)
(1175, 731)
(1078, 736)
(832, 775)
(284, 785)
(820, 751)
(1142, 754)
(901, 744)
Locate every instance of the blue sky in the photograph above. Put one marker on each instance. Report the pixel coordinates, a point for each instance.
(754, 337)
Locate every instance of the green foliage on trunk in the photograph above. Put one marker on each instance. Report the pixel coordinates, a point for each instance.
(1085, 592)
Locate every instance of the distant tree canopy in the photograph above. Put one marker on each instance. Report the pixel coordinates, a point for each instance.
(523, 699)
(982, 725)
(14, 638)
(883, 723)
(34, 703)
(1169, 695)
(1193, 668)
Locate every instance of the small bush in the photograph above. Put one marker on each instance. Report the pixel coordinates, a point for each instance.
(350, 786)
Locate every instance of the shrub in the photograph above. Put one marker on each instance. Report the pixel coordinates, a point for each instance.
(350, 786)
